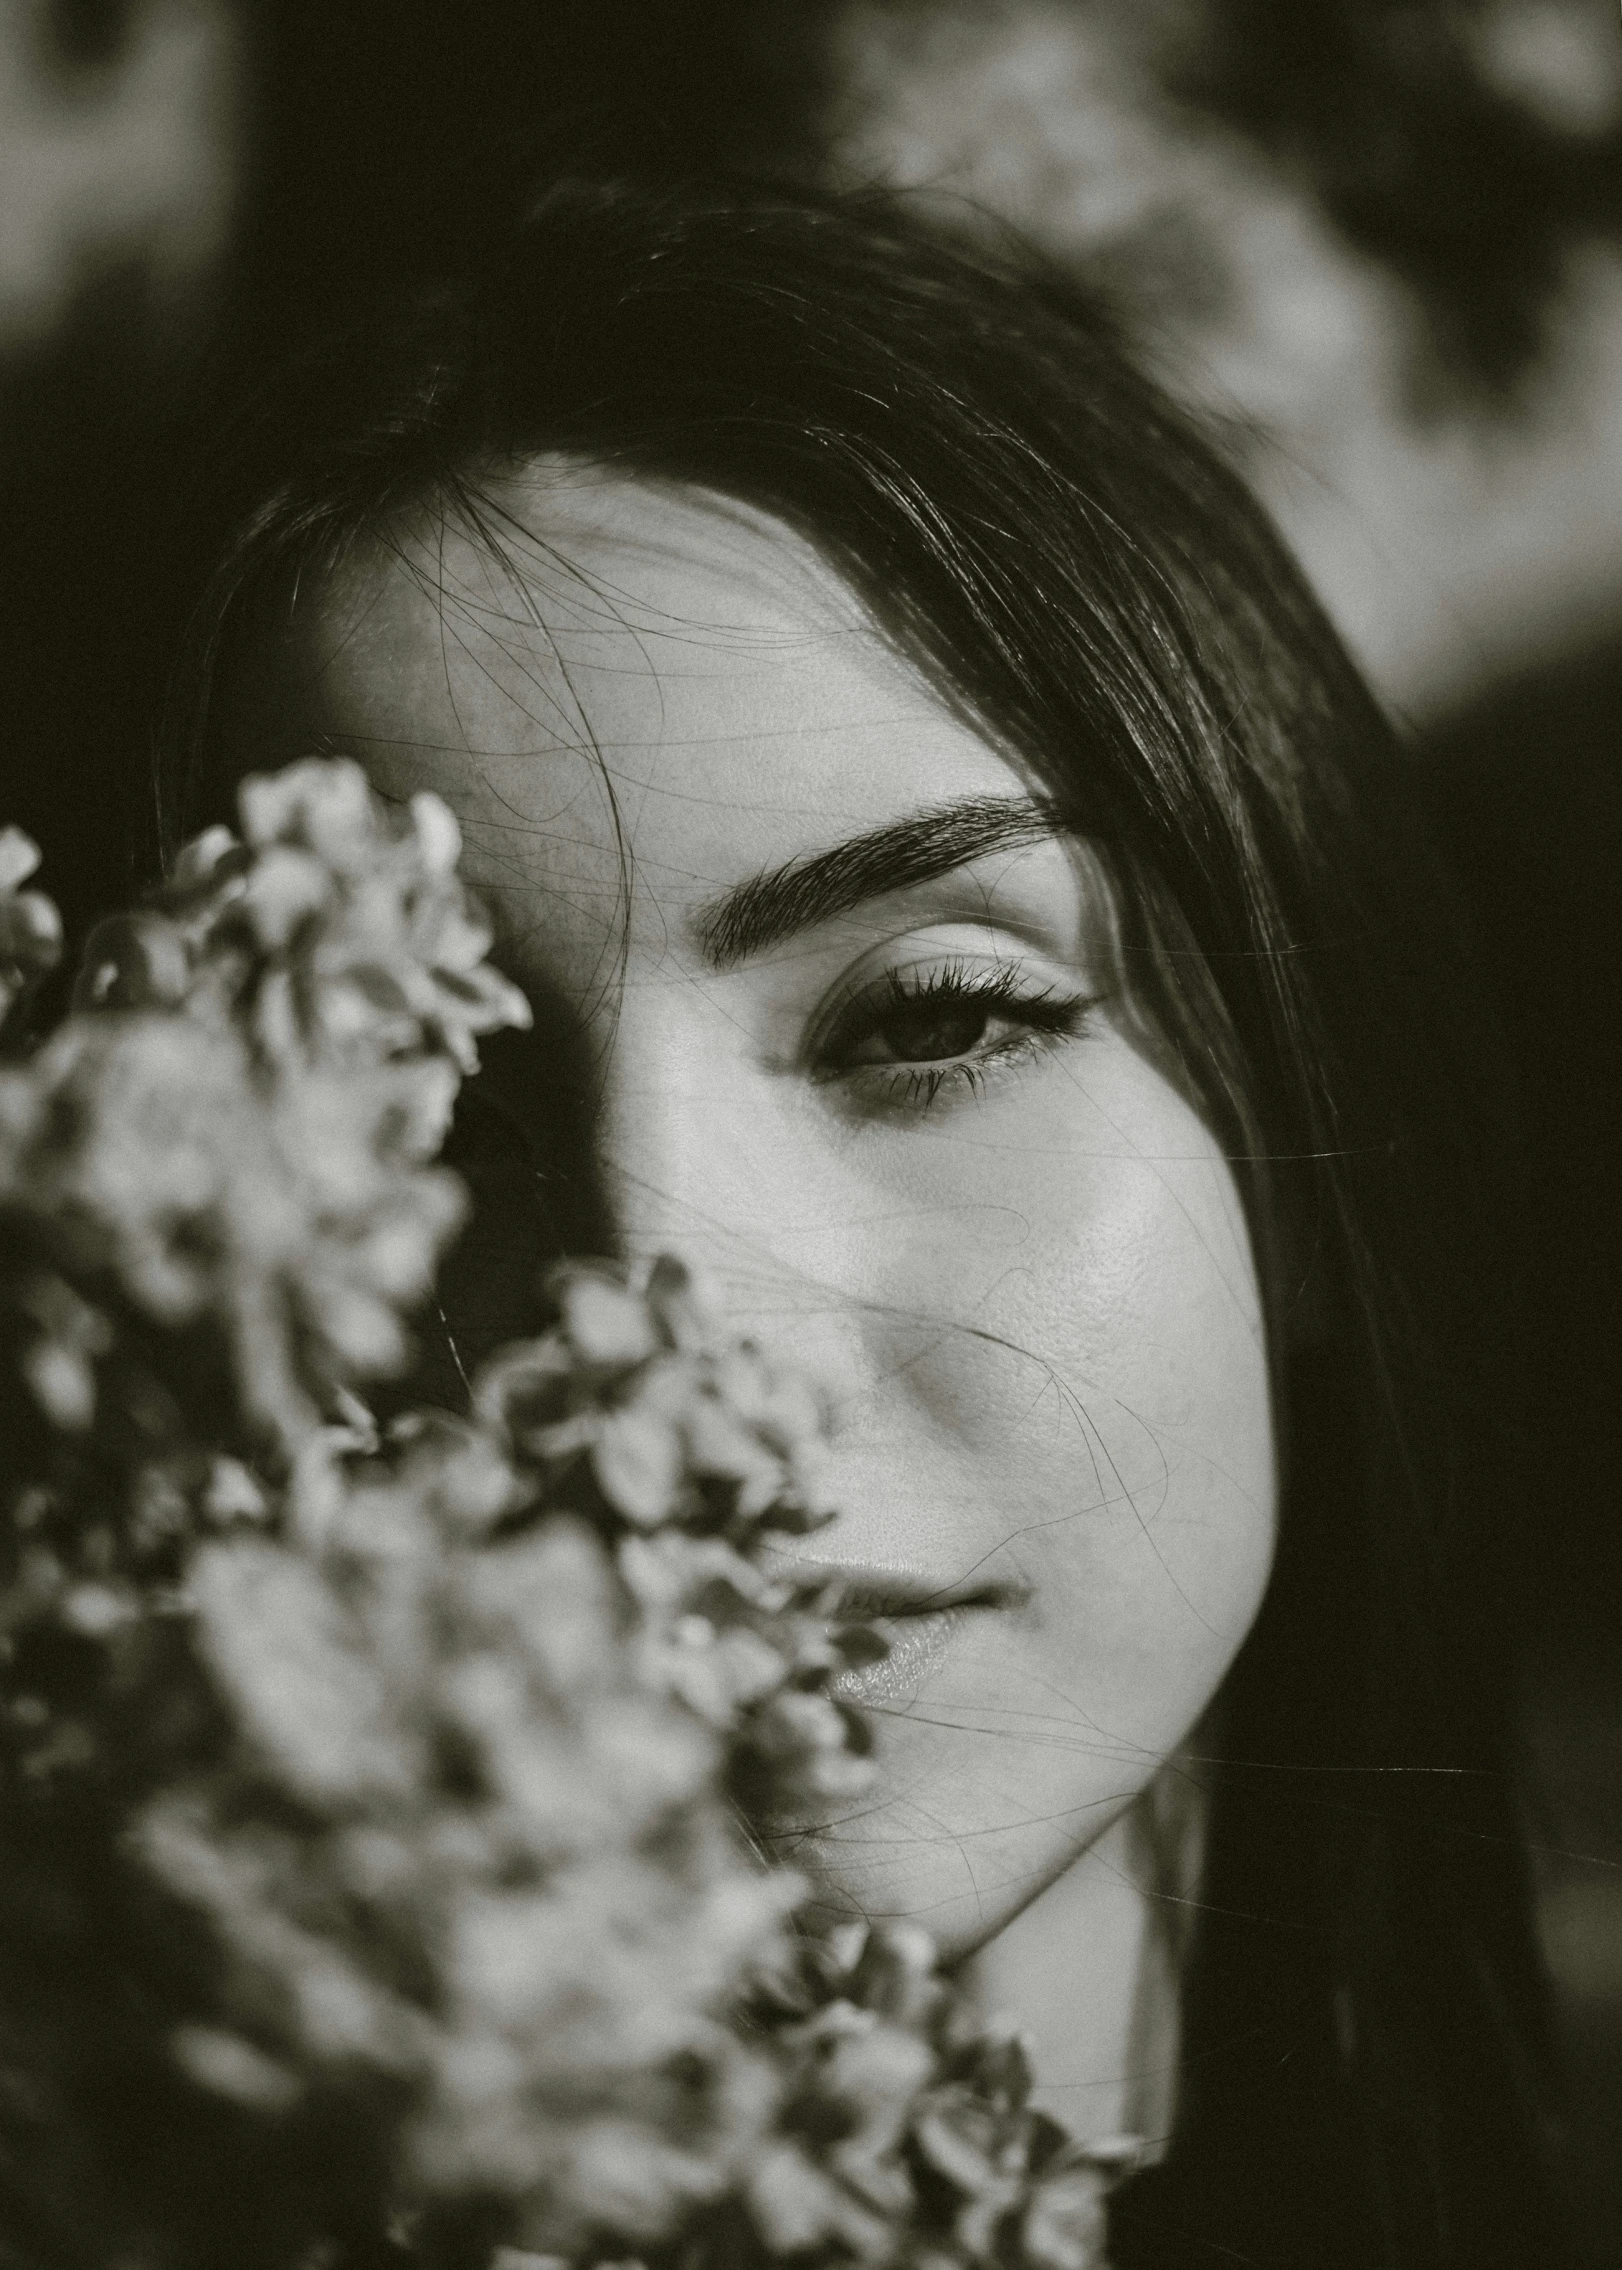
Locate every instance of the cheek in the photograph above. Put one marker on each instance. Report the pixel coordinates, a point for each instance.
(1067, 1385)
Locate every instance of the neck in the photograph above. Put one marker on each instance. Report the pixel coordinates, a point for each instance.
(1089, 1971)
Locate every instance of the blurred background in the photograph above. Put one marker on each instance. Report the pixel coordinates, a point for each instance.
(1378, 243)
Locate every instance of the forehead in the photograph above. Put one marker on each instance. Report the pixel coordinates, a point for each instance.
(605, 667)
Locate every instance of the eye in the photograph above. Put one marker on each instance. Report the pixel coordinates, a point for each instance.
(918, 1030)
(924, 1029)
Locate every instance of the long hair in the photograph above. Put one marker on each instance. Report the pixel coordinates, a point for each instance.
(1363, 2061)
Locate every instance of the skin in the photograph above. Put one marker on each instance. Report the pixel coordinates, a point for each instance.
(1029, 1293)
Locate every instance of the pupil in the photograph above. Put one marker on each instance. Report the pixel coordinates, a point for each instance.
(924, 1036)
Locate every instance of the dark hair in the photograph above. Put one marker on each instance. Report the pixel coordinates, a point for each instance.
(959, 434)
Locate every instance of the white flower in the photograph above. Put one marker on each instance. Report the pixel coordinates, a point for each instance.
(414, 1771)
(30, 927)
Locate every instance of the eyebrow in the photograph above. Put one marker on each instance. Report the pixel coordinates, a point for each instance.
(768, 908)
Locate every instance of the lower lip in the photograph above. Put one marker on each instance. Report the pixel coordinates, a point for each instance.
(918, 1646)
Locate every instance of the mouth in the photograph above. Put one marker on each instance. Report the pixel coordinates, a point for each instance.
(919, 1619)
(916, 1646)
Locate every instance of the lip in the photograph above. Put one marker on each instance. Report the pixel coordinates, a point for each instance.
(918, 1644)
(917, 1616)
(867, 1592)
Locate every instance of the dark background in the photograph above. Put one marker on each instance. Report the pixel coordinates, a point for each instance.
(1379, 243)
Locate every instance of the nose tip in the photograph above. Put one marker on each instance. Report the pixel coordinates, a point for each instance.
(707, 1207)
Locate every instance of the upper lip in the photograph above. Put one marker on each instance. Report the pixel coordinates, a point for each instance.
(869, 1592)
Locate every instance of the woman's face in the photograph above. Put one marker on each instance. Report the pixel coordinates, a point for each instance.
(859, 1052)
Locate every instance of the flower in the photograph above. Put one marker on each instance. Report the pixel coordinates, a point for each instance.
(331, 932)
(379, 1875)
(30, 927)
(243, 1143)
(457, 1842)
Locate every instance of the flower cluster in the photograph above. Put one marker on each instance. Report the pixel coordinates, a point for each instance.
(30, 927)
(376, 1874)
(236, 1148)
(460, 1854)
(905, 2134)
(702, 1459)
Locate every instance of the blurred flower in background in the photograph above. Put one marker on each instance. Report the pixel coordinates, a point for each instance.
(1377, 242)
(118, 150)
(1377, 239)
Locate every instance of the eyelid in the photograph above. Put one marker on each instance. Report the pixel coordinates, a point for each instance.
(909, 1088)
(996, 949)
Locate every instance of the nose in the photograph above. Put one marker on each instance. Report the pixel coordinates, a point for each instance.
(692, 1145)
(704, 1151)
(651, 1131)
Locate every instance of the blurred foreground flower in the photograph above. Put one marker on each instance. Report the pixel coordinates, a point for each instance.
(376, 1880)
(30, 927)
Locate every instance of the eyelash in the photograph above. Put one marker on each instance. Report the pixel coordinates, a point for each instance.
(1047, 1018)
